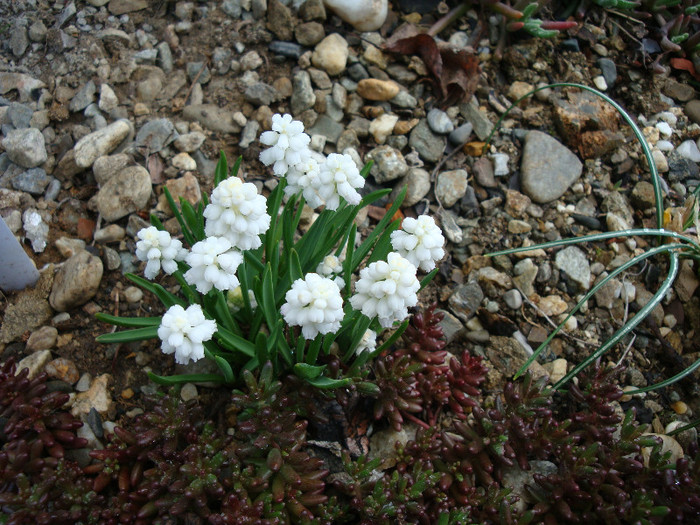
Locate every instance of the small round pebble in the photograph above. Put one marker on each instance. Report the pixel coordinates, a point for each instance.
(513, 299)
(132, 294)
(188, 392)
(679, 407)
(127, 393)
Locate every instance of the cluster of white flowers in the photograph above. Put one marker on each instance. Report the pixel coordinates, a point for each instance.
(238, 213)
(158, 250)
(331, 266)
(420, 241)
(386, 289)
(368, 343)
(315, 304)
(213, 263)
(183, 332)
(288, 144)
(321, 181)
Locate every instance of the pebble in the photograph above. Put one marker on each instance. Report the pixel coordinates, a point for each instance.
(105, 167)
(183, 161)
(35, 363)
(417, 184)
(688, 149)
(156, 134)
(110, 233)
(261, 94)
(327, 127)
(500, 164)
(451, 186)
(517, 226)
(186, 187)
(513, 299)
(63, 369)
(83, 384)
(692, 109)
(643, 195)
(680, 91)
(83, 98)
(382, 127)
(483, 173)
(552, 305)
(363, 15)
(25, 147)
(303, 96)
(477, 118)
(377, 90)
(188, 392)
(389, 164)
(465, 300)
(76, 282)
(428, 145)
(101, 142)
(211, 117)
(439, 122)
(43, 338)
(125, 192)
(548, 167)
(32, 181)
(250, 134)
(573, 262)
(97, 397)
(600, 83)
(461, 134)
(189, 142)
(19, 115)
(609, 70)
(331, 54)
(108, 99)
(133, 294)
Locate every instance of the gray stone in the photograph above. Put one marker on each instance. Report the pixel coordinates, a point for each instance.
(548, 167)
(52, 190)
(155, 135)
(525, 275)
(417, 184)
(193, 71)
(189, 142)
(513, 299)
(609, 70)
(327, 127)
(76, 282)
(120, 7)
(84, 97)
(452, 328)
(389, 164)
(232, 8)
(619, 212)
(461, 134)
(126, 192)
(34, 363)
(105, 167)
(428, 145)
(146, 56)
(221, 59)
(286, 49)
(479, 120)
(261, 94)
(606, 294)
(483, 173)
(249, 134)
(32, 181)
(19, 40)
(573, 262)
(451, 186)
(28, 87)
(465, 300)
(37, 31)
(25, 147)
(111, 258)
(303, 96)
(404, 99)
(19, 115)
(280, 20)
(101, 142)
(165, 57)
(309, 33)
(439, 122)
(211, 117)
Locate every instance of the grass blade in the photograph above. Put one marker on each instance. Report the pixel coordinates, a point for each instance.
(127, 336)
(137, 322)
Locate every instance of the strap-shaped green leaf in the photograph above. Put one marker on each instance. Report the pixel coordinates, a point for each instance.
(326, 383)
(426, 280)
(187, 234)
(295, 265)
(127, 336)
(225, 368)
(128, 321)
(165, 296)
(185, 378)
(367, 244)
(392, 339)
(307, 371)
(221, 170)
(193, 218)
(234, 342)
(269, 307)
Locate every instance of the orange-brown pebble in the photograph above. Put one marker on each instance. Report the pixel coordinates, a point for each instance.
(679, 407)
(372, 111)
(127, 393)
(404, 126)
(475, 149)
(376, 89)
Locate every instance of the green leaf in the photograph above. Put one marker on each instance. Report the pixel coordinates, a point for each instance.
(268, 304)
(193, 218)
(631, 324)
(367, 244)
(128, 321)
(185, 378)
(234, 342)
(347, 263)
(189, 236)
(426, 280)
(225, 368)
(394, 337)
(295, 265)
(155, 221)
(127, 336)
(165, 296)
(221, 170)
(326, 383)
(307, 371)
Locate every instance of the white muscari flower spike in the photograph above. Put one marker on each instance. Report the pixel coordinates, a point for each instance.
(213, 263)
(288, 144)
(330, 266)
(158, 250)
(315, 304)
(386, 289)
(238, 213)
(420, 241)
(339, 177)
(182, 333)
(303, 178)
(368, 343)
